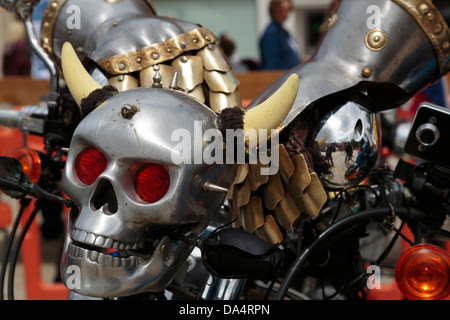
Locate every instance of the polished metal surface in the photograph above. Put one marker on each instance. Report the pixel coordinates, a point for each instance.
(344, 64)
(214, 59)
(124, 82)
(96, 17)
(350, 139)
(134, 39)
(186, 210)
(167, 73)
(190, 71)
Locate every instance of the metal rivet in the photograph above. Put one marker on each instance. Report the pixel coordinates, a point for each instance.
(423, 8)
(54, 4)
(139, 60)
(121, 66)
(195, 40)
(183, 45)
(156, 67)
(69, 32)
(366, 72)
(184, 59)
(210, 47)
(115, 24)
(155, 56)
(169, 50)
(446, 45)
(438, 28)
(121, 77)
(332, 21)
(376, 39)
(208, 38)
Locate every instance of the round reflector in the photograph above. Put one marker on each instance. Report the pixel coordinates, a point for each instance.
(151, 182)
(422, 273)
(30, 160)
(89, 164)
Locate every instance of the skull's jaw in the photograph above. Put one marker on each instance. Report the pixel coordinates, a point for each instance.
(97, 274)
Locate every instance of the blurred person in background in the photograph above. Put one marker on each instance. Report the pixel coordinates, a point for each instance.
(279, 50)
(16, 52)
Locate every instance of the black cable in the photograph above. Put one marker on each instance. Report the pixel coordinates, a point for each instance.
(391, 244)
(344, 287)
(325, 236)
(15, 252)
(24, 203)
(269, 289)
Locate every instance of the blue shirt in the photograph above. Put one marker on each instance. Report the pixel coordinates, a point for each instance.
(279, 51)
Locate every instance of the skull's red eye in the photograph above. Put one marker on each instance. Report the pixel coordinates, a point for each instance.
(151, 182)
(90, 163)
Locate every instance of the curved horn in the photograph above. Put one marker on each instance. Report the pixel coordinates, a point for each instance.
(78, 80)
(271, 113)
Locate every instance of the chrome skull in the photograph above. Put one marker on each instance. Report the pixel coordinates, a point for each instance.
(137, 202)
(131, 195)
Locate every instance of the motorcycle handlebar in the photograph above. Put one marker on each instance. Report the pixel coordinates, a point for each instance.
(10, 118)
(29, 119)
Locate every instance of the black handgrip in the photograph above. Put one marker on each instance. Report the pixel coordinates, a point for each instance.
(235, 253)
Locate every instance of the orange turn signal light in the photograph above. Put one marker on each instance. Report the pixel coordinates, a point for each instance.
(422, 273)
(30, 160)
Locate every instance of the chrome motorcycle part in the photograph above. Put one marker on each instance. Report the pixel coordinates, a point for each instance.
(223, 289)
(115, 215)
(350, 139)
(428, 134)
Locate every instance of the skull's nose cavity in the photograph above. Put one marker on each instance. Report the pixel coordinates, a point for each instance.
(104, 196)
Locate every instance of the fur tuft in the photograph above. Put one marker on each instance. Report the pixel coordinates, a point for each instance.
(95, 98)
(231, 118)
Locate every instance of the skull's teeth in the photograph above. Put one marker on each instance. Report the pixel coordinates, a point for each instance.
(101, 258)
(104, 242)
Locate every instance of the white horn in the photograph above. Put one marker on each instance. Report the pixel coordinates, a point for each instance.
(78, 80)
(271, 113)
